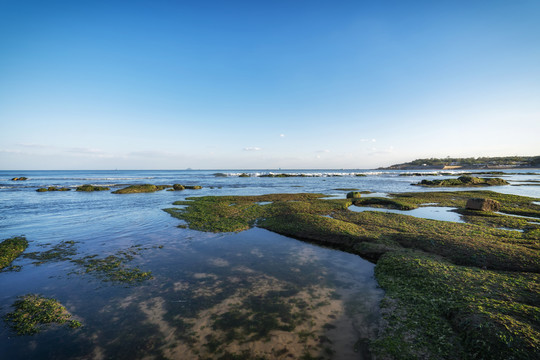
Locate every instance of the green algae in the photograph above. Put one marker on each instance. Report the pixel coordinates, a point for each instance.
(453, 290)
(115, 268)
(63, 251)
(10, 249)
(90, 188)
(464, 181)
(34, 312)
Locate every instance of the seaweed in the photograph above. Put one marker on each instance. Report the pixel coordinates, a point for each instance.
(34, 312)
(10, 249)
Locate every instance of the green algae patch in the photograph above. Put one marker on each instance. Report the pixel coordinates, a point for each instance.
(236, 213)
(464, 312)
(91, 188)
(464, 181)
(454, 290)
(144, 188)
(63, 251)
(10, 249)
(115, 268)
(34, 312)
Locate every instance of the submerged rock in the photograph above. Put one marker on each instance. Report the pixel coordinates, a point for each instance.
(483, 204)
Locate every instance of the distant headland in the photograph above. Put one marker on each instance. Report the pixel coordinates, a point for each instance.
(506, 162)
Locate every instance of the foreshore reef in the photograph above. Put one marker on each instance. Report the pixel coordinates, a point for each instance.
(453, 290)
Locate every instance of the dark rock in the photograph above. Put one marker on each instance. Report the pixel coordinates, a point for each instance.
(483, 204)
(354, 195)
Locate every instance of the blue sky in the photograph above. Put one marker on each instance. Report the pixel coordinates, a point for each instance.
(265, 84)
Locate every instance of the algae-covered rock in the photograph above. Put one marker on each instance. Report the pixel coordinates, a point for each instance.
(354, 195)
(178, 187)
(464, 181)
(193, 187)
(243, 175)
(483, 204)
(53, 188)
(22, 178)
(144, 188)
(90, 188)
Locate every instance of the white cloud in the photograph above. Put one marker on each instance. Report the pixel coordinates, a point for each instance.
(326, 151)
(368, 140)
(252, 148)
(281, 135)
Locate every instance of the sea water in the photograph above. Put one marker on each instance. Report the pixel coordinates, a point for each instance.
(254, 293)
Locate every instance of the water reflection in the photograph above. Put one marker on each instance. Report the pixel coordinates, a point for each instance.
(442, 213)
(251, 294)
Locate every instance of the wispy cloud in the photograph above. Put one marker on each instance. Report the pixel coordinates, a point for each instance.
(326, 151)
(252, 148)
(368, 140)
(281, 135)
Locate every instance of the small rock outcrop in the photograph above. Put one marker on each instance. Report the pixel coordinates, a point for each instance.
(354, 195)
(22, 178)
(90, 188)
(481, 204)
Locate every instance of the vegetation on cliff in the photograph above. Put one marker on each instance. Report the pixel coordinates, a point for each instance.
(479, 162)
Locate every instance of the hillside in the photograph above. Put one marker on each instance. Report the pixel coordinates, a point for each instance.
(470, 163)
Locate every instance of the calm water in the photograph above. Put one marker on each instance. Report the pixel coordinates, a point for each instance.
(252, 293)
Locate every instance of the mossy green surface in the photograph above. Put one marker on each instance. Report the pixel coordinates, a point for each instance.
(90, 188)
(10, 249)
(454, 290)
(464, 181)
(33, 312)
(144, 188)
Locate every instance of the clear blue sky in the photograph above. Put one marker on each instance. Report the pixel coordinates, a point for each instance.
(265, 84)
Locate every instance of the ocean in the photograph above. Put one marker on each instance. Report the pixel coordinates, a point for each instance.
(210, 295)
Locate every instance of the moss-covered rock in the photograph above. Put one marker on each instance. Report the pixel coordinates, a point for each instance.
(90, 188)
(10, 249)
(144, 188)
(192, 187)
(22, 178)
(354, 195)
(33, 312)
(53, 188)
(482, 204)
(463, 181)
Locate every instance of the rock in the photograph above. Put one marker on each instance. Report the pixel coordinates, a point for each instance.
(178, 187)
(354, 195)
(90, 188)
(483, 204)
(22, 178)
